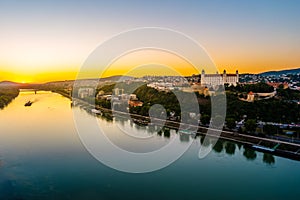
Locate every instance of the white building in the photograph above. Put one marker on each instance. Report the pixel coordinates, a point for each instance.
(85, 92)
(118, 91)
(219, 79)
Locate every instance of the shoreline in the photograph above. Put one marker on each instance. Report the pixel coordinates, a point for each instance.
(261, 144)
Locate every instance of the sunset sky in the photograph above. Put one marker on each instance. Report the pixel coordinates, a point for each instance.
(49, 40)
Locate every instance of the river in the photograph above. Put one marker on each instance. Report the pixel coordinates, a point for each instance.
(42, 157)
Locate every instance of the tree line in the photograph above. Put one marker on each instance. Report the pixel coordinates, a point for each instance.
(7, 94)
(280, 109)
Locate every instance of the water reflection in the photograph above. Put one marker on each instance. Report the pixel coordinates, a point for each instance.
(166, 132)
(250, 154)
(268, 159)
(151, 128)
(239, 145)
(8, 190)
(219, 146)
(203, 142)
(162, 131)
(184, 137)
(230, 148)
(45, 160)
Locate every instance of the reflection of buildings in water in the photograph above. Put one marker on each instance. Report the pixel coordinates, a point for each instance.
(85, 92)
(184, 137)
(120, 119)
(161, 131)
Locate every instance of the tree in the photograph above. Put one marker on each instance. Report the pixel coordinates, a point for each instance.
(230, 123)
(250, 125)
(270, 129)
(7, 94)
(218, 121)
(205, 119)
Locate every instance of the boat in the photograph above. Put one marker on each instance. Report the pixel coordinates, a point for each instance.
(96, 111)
(28, 103)
(262, 148)
(187, 132)
(265, 149)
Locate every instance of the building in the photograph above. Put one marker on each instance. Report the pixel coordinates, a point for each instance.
(219, 79)
(118, 91)
(250, 96)
(133, 97)
(85, 92)
(135, 103)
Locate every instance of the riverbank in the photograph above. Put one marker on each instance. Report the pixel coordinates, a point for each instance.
(63, 93)
(7, 94)
(262, 144)
(42, 141)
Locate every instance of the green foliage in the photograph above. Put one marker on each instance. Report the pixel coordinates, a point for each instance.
(230, 123)
(205, 119)
(218, 121)
(258, 87)
(128, 88)
(106, 88)
(285, 112)
(7, 94)
(103, 103)
(150, 96)
(270, 129)
(288, 94)
(250, 125)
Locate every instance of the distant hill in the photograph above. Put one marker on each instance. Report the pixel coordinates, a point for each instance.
(278, 73)
(9, 83)
(110, 78)
(29, 85)
(116, 78)
(18, 85)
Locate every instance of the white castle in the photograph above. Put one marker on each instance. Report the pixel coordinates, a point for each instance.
(219, 79)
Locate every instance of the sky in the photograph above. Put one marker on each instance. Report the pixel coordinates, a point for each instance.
(47, 40)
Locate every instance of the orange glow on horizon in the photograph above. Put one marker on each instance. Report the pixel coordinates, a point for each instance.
(42, 77)
(142, 59)
(114, 70)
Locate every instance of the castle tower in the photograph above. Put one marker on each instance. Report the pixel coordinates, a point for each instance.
(224, 76)
(202, 77)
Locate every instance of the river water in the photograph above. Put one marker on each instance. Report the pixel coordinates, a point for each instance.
(42, 157)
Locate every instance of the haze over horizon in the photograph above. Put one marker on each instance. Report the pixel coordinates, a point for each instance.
(46, 41)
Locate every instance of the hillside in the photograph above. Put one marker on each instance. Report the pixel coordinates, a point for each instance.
(280, 72)
(8, 83)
